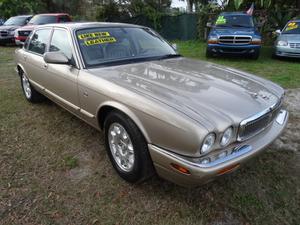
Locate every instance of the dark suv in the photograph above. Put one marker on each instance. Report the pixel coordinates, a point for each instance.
(40, 19)
(234, 33)
(7, 30)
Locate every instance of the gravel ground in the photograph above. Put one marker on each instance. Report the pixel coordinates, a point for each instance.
(289, 140)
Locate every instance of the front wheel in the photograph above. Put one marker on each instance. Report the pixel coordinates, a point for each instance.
(127, 148)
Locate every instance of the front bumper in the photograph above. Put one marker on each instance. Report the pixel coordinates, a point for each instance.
(286, 51)
(233, 49)
(7, 39)
(200, 173)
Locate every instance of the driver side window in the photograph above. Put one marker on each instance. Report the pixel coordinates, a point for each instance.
(60, 43)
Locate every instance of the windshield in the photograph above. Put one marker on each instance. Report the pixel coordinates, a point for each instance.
(292, 28)
(17, 21)
(234, 21)
(43, 19)
(121, 45)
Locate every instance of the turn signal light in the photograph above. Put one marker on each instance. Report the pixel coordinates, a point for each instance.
(228, 169)
(212, 41)
(180, 169)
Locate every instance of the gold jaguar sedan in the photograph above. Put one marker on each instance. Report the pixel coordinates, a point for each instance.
(189, 121)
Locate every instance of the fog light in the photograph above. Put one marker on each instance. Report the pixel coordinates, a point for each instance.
(205, 161)
(222, 154)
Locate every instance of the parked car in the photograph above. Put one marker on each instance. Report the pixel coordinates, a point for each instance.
(234, 33)
(190, 121)
(40, 19)
(7, 30)
(288, 40)
(2, 21)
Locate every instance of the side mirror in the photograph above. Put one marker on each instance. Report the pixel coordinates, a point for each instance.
(278, 32)
(174, 46)
(209, 24)
(56, 58)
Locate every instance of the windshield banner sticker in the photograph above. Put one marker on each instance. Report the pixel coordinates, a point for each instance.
(221, 20)
(292, 26)
(99, 41)
(93, 35)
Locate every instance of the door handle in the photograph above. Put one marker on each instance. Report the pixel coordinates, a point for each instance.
(45, 65)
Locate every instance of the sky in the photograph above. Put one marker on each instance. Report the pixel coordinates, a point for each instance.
(178, 4)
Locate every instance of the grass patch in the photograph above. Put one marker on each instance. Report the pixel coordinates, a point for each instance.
(70, 162)
(285, 72)
(34, 189)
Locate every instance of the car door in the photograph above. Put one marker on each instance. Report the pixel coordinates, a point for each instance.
(61, 80)
(34, 65)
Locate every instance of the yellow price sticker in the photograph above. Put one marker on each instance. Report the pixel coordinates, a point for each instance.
(93, 35)
(221, 20)
(99, 41)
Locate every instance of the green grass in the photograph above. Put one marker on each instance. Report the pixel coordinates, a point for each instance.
(285, 72)
(54, 170)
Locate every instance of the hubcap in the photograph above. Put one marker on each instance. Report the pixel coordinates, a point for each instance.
(121, 147)
(26, 86)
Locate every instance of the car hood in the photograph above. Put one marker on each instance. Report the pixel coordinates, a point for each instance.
(290, 37)
(205, 92)
(28, 27)
(234, 31)
(8, 27)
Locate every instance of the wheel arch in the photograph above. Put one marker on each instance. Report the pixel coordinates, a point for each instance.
(109, 106)
(20, 68)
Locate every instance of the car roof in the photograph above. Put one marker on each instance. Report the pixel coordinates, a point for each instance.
(52, 14)
(84, 25)
(297, 20)
(235, 13)
(23, 16)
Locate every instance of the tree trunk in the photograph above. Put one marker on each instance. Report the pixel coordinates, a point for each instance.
(188, 6)
(298, 4)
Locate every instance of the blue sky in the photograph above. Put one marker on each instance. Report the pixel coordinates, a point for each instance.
(178, 3)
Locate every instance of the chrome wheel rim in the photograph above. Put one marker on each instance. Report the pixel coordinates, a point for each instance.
(26, 86)
(121, 147)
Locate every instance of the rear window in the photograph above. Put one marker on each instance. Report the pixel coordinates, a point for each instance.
(43, 19)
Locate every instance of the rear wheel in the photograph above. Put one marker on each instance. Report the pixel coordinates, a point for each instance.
(127, 148)
(29, 92)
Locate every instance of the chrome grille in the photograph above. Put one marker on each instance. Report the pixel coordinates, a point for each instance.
(295, 45)
(253, 125)
(234, 39)
(3, 33)
(24, 33)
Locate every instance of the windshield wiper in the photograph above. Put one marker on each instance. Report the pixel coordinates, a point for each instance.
(238, 25)
(169, 56)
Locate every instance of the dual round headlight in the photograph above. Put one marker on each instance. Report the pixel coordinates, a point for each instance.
(210, 139)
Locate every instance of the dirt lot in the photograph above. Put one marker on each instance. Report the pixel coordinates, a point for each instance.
(54, 170)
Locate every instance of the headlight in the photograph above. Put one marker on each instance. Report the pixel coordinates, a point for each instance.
(208, 143)
(212, 40)
(282, 43)
(227, 135)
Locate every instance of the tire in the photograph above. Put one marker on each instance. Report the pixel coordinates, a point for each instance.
(137, 164)
(255, 55)
(209, 54)
(29, 92)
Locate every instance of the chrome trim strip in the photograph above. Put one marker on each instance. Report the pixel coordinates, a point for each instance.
(37, 85)
(237, 152)
(86, 113)
(62, 100)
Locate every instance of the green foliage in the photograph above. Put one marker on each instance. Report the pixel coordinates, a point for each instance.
(108, 12)
(10, 8)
